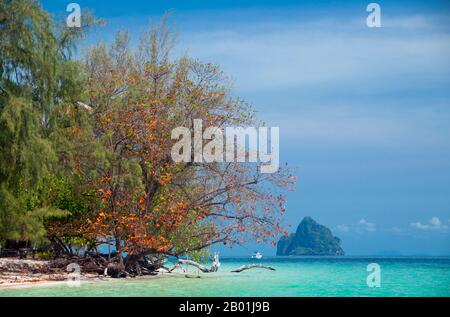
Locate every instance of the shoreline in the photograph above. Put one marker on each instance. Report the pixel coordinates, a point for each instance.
(293, 278)
(84, 280)
(25, 273)
(18, 272)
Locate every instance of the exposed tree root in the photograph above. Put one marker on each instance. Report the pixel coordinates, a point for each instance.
(132, 266)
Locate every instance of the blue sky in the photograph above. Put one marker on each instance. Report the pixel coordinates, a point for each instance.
(363, 112)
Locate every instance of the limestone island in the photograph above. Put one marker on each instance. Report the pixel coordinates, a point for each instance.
(310, 239)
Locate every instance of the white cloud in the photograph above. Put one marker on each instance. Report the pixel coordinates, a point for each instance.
(323, 52)
(369, 226)
(395, 230)
(433, 224)
(329, 57)
(343, 228)
(360, 227)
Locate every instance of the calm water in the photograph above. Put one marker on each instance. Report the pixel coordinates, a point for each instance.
(311, 276)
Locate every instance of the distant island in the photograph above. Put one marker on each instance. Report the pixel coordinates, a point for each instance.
(310, 238)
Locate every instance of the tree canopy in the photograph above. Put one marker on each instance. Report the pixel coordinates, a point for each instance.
(37, 77)
(86, 145)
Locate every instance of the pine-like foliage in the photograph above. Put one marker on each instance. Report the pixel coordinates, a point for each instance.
(36, 78)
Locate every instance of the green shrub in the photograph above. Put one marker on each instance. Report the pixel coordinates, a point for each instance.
(45, 255)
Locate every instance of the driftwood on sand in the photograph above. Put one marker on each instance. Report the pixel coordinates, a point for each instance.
(252, 266)
(216, 264)
(204, 269)
(193, 263)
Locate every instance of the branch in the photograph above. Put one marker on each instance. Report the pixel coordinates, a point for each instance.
(197, 265)
(89, 109)
(252, 266)
(200, 247)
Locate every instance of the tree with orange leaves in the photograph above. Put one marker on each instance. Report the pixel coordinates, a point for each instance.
(148, 204)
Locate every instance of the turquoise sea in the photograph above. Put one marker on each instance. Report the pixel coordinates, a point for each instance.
(295, 276)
